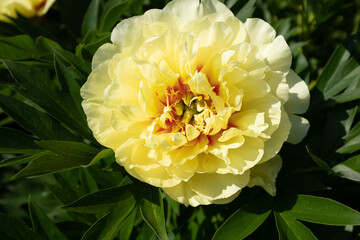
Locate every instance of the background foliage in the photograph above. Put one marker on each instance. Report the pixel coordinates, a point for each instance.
(57, 182)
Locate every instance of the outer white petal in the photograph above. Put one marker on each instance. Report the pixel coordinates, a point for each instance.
(134, 156)
(11, 7)
(299, 96)
(259, 31)
(127, 30)
(105, 52)
(273, 145)
(99, 121)
(189, 10)
(278, 55)
(206, 188)
(275, 50)
(299, 129)
(264, 175)
(44, 10)
(98, 80)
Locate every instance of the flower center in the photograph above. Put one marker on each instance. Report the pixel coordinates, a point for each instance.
(186, 108)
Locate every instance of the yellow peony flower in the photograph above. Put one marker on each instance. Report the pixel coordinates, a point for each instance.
(195, 101)
(27, 8)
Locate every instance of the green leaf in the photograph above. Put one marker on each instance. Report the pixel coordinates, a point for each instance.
(36, 122)
(152, 211)
(291, 229)
(352, 142)
(70, 149)
(340, 71)
(47, 44)
(321, 163)
(324, 211)
(66, 155)
(90, 20)
(107, 227)
(88, 182)
(25, 25)
(111, 14)
(38, 86)
(60, 187)
(80, 65)
(14, 141)
(101, 155)
(351, 93)
(93, 40)
(349, 169)
(22, 159)
(353, 133)
(244, 221)
(67, 79)
(104, 200)
(246, 11)
(14, 228)
(42, 224)
(19, 47)
(348, 122)
(127, 226)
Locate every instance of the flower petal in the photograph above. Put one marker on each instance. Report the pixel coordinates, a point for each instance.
(264, 175)
(299, 96)
(299, 129)
(278, 55)
(259, 31)
(206, 188)
(134, 150)
(273, 145)
(105, 52)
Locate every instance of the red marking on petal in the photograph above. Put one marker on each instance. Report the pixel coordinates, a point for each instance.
(231, 125)
(40, 5)
(211, 141)
(162, 102)
(216, 89)
(199, 67)
(181, 84)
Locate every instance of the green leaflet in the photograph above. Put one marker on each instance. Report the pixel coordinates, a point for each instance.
(246, 11)
(14, 228)
(111, 14)
(104, 200)
(318, 210)
(65, 155)
(19, 47)
(152, 210)
(291, 229)
(90, 20)
(37, 85)
(245, 220)
(107, 227)
(34, 120)
(14, 141)
(349, 169)
(42, 224)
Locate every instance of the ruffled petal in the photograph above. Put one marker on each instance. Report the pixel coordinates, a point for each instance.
(299, 96)
(264, 175)
(205, 188)
(273, 145)
(299, 129)
(155, 175)
(259, 31)
(104, 52)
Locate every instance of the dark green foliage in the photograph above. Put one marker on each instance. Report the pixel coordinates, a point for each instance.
(78, 191)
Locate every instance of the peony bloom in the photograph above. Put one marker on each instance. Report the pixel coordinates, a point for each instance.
(27, 8)
(195, 101)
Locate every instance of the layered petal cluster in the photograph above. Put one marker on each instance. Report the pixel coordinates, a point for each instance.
(195, 101)
(27, 8)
